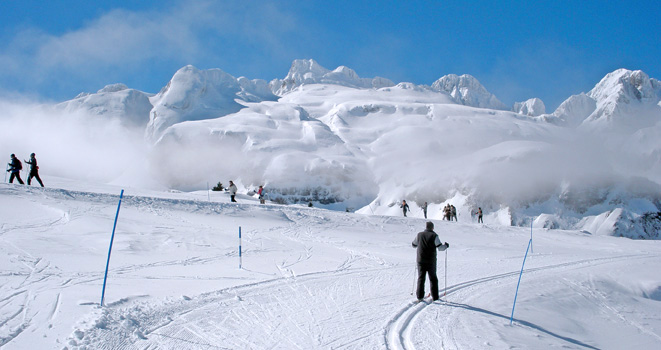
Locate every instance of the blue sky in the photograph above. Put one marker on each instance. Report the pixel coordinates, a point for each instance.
(54, 50)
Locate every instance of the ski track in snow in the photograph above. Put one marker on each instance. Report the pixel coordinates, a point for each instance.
(398, 334)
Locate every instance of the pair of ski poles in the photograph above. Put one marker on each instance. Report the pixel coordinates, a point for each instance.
(445, 275)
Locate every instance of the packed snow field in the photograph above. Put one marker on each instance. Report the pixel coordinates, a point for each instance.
(310, 278)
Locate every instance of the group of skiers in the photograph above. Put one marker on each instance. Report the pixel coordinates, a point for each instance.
(260, 193)
(449, 211)
(15, 166)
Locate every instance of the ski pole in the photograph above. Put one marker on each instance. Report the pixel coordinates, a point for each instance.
(446, 273)
(415, 273)
(6, 171)
(240, 258)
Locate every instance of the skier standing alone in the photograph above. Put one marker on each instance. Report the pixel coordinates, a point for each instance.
(405, 207)
(233, 190)
(427, 242)
(260, 192)
(424, 209)
(15, 167)
(34, 170)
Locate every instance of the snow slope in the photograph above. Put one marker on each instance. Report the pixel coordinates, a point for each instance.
(309, 278)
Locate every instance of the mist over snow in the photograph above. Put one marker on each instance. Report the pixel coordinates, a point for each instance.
(344, 142)
(85, 144)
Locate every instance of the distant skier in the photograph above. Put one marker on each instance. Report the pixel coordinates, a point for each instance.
(34, 169)
(232, 189)
(15, 167)
(260, 192)
(405, 207)
(424, 209)
(453, 211)
(427, 242)
(479, 216)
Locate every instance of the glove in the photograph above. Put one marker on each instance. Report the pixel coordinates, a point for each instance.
(447, 245)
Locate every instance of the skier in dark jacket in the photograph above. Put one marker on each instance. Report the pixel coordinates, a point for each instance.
(34, 170)
(424, 209)
(405, 207)
(15, 167)
(427, 242)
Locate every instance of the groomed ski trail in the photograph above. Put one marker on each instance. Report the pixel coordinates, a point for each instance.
(398, 334)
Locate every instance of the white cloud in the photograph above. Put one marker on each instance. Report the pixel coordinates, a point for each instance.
(122, 40)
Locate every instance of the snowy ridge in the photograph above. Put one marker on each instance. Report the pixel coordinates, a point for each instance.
(113, 101)
(467, 90)
(193, 94)
(533, 107)
(310, 72)
(627, 100)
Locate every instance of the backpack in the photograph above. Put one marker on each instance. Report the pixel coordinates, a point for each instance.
(19, 165)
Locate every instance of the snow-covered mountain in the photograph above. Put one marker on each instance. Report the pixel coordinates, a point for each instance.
(573, 111)
(113, 101)
(533, 107)
(467, 90)
(194, 94)
(345, 142)
(310, 72)
(626, 100)
(623, 101)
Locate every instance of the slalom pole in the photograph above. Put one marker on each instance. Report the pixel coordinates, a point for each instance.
(105, 277)
(517, 285)
(240, 258)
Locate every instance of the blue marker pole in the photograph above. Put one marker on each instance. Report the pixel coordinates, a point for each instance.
(240, 259)
(105, 277)
(517, 285)
(532, 251)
